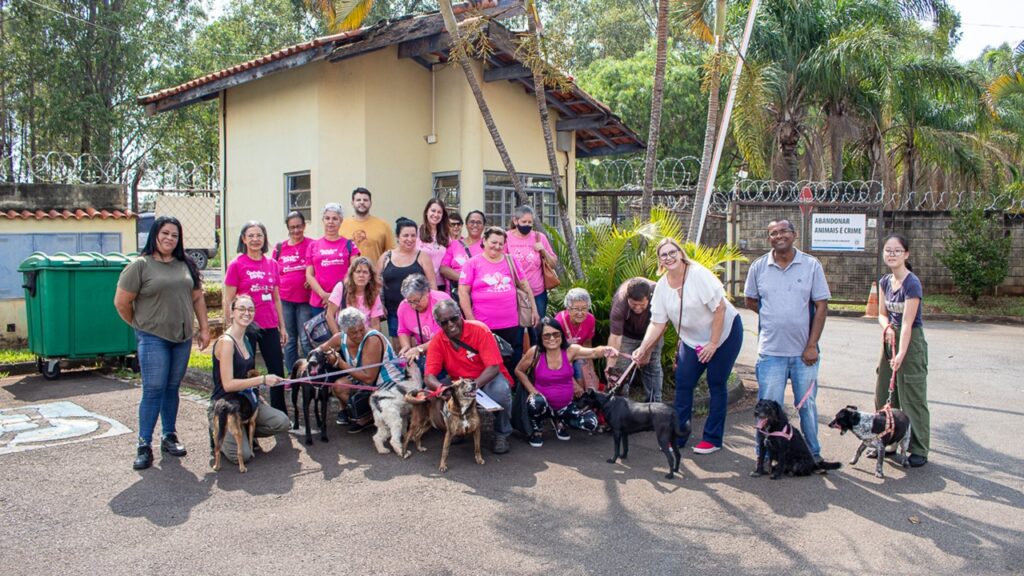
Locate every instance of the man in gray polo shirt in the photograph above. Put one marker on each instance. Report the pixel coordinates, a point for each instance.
(787, 289)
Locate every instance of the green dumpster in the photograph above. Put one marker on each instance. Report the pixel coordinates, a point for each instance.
(69, 303)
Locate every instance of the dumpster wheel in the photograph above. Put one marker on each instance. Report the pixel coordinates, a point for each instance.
(50, 369)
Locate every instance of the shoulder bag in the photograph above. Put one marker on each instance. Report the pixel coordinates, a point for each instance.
(524, 297)
(551, 279)
(317, 329)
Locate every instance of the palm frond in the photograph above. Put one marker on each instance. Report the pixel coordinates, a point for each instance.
(1003, 87)
(350, 14)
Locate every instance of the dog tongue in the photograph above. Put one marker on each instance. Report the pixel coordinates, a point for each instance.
(762, 422)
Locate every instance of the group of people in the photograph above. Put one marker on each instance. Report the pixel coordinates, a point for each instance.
(454, 305)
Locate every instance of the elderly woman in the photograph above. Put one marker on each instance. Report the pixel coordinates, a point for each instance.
(416, 324)
(531, 250)
(579, 326)
(329, 257)
(159, 294)
(359, 289)
(546, 373)
(487, 292)
(252, 273)
(360, 347)
(710, 336)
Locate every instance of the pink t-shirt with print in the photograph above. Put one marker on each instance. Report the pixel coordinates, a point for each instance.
(436, 253)
(376, 312)
(259, 279)
(492, 291)
(291, 263)
(330, 261)
(426, 327)
(527, 258)
(455, 258)
(577, 334)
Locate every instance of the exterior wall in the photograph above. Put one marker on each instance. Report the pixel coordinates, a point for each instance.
(13, 311)
(363, 122)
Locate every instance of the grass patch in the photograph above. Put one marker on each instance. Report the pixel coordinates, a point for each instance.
(4, 375)
(848, 307)
(201, 361)
(986, 305)
(16, 356)
(126, 374)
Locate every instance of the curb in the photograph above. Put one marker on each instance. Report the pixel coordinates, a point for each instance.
(971, 318)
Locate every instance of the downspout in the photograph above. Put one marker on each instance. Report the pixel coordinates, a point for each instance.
(224, 179)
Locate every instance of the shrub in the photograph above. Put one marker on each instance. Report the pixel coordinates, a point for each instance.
(977, 252)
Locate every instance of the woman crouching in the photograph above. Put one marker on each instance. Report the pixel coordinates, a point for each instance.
(546, 372)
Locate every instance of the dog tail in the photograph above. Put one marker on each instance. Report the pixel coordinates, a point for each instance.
(221, 410)
(826, 465)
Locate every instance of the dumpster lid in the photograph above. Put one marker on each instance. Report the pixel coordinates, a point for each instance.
(43, 261)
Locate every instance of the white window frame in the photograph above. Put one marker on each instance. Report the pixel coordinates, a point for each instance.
(290, 192)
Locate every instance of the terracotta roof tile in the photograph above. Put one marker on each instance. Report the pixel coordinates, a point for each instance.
(65, 214)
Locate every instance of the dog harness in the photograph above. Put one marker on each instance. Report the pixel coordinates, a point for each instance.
(786, 432)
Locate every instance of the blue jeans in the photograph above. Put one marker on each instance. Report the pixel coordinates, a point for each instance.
(162, 364)
(688, 372)
(393, 323)
(499, 391)
(295, 316)
(772, 373)
(541, 300)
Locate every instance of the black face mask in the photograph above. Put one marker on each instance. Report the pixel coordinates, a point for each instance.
(524, 230)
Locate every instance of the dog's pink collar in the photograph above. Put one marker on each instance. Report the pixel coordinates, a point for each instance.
(786, 432)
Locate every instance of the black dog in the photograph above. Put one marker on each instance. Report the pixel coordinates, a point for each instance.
(876, 430)
(315, 391)
(626, 417)
(783, 445)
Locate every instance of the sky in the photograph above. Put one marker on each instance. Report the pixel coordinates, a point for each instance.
(988, 23)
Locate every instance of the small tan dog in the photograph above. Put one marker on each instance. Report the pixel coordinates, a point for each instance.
(454, 412)
(230, 413)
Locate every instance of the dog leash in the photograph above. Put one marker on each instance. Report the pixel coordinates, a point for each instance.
(623, 378)
(339, 373)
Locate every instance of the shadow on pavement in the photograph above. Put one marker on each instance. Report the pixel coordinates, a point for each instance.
(31, 389)
(164, 496)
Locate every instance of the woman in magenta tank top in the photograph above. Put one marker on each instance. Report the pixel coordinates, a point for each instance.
(546, 374)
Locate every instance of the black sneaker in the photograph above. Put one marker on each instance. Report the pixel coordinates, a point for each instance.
(342, 419)
(536, 440)
(143, 457)
(500, 445)
(170, 445)
(916, 460)
(356, 427)
(561, 433)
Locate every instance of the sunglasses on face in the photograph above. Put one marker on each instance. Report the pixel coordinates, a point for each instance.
(449, 320)
(551, 336)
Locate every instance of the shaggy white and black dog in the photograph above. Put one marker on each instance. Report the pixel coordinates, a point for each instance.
(390, 410)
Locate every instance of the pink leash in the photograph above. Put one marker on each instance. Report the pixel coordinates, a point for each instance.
(339, 373)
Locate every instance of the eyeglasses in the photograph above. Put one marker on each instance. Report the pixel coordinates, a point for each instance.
(894, 252)
(669, 255)
(244, 310)
(455, 224)
(576, 310)
(415, 300)
(551, 336)
(778, 233)
(449, 320)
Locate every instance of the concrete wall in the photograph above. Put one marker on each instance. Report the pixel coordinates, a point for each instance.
(62, 196)
(362, 122)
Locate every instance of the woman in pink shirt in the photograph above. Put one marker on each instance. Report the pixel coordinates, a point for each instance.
(416, 324)
(433, 237)
(579, 326)
(529, 249)
(461, 250)
(359, 290)
(253, 274)
(329, 257)
(487, 293)
(291, 255)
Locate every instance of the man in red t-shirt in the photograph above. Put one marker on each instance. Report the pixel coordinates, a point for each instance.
(466, 349)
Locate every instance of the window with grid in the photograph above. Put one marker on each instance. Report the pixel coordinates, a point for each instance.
(297, 193)
(446, 189)
(500, 197)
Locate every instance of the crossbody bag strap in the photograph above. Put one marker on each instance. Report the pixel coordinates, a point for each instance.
(512, 270)
(466, 248)
(419, 326)
(464, 345)
(679, 325)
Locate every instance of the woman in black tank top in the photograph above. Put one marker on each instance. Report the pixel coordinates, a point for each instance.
(397, 265)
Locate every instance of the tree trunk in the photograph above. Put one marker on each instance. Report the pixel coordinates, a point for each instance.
(452, 27)
(647, 200)
(562, 202)
(711, 128)
(788, 141)
(836, 147)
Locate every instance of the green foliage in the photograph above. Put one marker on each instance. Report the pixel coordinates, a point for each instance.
(200, 361)
(977, 252)
(16, 356)
(613, 254)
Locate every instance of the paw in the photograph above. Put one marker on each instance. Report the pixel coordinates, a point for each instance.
(421, 448)
(852, 462)
(406, 454)
(309, 441)
(216, 467)
(442, 468)
(382, 450)
(242, 468)
(879, 475)
(324, 438)
(479, 459)
(610, 460)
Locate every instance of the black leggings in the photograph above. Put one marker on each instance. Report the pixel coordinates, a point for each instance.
(269, 342)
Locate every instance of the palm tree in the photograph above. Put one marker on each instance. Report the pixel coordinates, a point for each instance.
(460, 51)
(538, 66)
(647, 199)
(693, 14)
(342, 15)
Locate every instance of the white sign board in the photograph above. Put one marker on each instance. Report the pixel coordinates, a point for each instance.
(838, 232)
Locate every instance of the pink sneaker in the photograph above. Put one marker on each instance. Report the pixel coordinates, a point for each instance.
(706, 447)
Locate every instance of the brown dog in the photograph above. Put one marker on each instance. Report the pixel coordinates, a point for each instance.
(229, 415)
(454, 412)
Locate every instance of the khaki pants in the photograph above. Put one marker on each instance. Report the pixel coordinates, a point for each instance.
(269, 422)
(911, 393)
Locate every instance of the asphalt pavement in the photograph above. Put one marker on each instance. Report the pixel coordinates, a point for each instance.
(339, 507)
